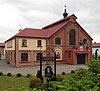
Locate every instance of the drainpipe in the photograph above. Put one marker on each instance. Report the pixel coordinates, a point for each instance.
(15, 52)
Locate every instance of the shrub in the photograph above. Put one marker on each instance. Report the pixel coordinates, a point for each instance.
(8, 62)
(72, 71)
(63, 73)
(1, 73)
(38, 74)
(18, 75)
(29, 75)
(81, 71)
(59, 77)
(94, 66)
(9, 74)
(35, 82)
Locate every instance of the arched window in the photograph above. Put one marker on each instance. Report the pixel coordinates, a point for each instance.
(24, 56)
(58, 41)
(72, 37)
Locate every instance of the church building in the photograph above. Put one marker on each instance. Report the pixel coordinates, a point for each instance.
(66, 37)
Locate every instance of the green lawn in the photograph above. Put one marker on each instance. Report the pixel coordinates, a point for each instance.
(13, 83)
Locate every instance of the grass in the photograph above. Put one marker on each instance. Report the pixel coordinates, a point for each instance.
(13, 83)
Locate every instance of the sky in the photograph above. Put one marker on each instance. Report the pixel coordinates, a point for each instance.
(20, 14)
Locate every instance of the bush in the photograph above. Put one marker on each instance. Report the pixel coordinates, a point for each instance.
(9, 74)
(63, 73)
(59, 77)
(81, 71)
(38, 74)
(94, 66)
(1, 73)
(35, 82)
(72, 71)
(29, 75)
(18, 75)
(8, 62)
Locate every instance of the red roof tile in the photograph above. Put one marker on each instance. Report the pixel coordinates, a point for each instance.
(30, 32)
(52, 30)
(94, 45)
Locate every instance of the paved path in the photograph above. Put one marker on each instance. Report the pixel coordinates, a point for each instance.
(5, 68)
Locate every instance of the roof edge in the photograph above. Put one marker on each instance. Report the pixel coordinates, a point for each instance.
(59, 21)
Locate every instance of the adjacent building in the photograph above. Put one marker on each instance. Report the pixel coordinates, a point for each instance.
(2, 51)
(96, 49)
(66, 37)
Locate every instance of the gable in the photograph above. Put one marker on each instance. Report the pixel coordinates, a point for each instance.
(84, 31)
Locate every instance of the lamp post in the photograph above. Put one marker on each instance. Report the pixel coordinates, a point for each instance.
(55, 65)
(41, 77)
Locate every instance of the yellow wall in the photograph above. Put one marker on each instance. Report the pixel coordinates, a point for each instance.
(32, 44)
(10, 45)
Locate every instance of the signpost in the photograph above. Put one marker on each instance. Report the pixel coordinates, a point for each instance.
(55, 66)
(48, 58)
(41, 77)
(48, 70)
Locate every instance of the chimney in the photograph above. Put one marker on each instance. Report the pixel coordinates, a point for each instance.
(20, 30)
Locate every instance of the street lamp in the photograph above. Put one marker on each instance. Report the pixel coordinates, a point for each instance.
(41, 77)
(54, 64)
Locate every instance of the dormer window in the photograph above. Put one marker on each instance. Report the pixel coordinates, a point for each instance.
(24, 43)
(58, 41)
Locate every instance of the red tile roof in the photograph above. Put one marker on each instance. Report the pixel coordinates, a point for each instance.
(94, 45)
(30, 32)
(53, 29)
(2, 44)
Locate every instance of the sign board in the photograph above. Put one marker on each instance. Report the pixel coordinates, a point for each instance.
(48, 58)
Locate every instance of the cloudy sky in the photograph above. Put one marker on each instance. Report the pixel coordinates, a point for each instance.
(16, 14)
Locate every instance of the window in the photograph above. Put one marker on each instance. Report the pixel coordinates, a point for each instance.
(39, 43)
(38, 56)
(24, 42)
(58, 41)
(72, 37)
(85, 42)
(24, 56)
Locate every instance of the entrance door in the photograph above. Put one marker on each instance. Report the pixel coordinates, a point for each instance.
(81, 58)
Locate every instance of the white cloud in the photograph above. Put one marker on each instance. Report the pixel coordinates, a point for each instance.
(9, 15)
